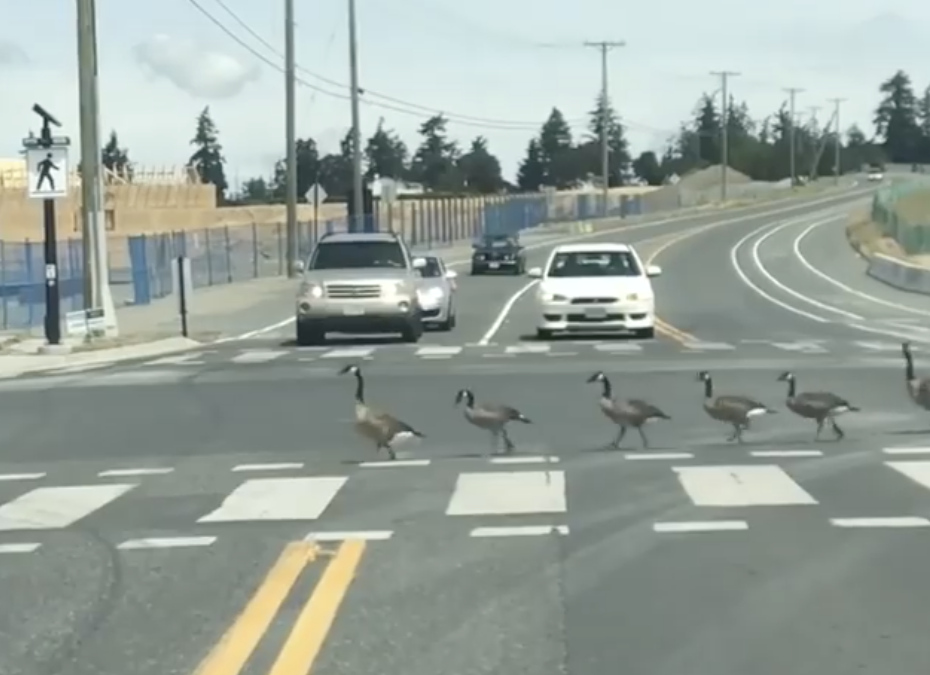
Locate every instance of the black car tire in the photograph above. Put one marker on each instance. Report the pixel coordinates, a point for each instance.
(309, 335)
(413, 331)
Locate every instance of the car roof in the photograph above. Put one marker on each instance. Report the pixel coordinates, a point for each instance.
(359, 237)
(592, 248)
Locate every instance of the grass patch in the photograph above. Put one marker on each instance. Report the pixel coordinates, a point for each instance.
(866, 237)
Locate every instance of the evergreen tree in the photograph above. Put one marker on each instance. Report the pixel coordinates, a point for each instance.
(531, 175)
(308, 170)
(434, 163)
(896, 119)
(561, 168)
(480, 170)
(589, 153)
(207, 158)
(647, 167)
(116, 158)
(336, 169)
(386, 154)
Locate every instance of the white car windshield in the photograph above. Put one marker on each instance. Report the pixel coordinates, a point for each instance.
(594, 264)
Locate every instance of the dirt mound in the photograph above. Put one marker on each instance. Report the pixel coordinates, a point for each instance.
(709, 177)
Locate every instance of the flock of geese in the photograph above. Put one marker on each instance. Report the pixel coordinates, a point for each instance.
(737, 411)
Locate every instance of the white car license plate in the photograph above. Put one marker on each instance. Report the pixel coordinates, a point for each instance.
(353, 311)
(494, 266)
(595, 312)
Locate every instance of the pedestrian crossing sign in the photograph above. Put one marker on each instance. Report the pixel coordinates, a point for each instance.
(48, 172)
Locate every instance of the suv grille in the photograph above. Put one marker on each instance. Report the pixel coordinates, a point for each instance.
(353, 291)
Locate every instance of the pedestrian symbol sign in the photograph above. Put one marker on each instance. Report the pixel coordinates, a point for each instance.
(48, 170)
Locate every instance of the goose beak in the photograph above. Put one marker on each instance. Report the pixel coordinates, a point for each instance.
(593, 378)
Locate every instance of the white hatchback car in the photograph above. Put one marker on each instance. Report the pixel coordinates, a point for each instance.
(595, 288)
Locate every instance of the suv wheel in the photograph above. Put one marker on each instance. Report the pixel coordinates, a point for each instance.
(308, 334)
(413, 331)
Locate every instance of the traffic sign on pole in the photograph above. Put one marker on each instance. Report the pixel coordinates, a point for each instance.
(48, 171)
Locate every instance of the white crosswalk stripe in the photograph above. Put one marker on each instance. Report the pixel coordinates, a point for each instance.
(51, 508)
(258, 356)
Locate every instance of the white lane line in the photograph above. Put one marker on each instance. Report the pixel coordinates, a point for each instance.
(700, 526)
(843, 287)
(508, 493)
(881, 522)
(19, 548)
(528, 348)
(166, 542)
(367, 535)
(907, 451)
(438, 351)
(786, 453)
(749, 283)
(258, 356)
(757, 260)
(655, 456)
(273, 466)
(191, 359)
(122, 473)
(505, 311)
(518, 531)
(621, 347)
(538, 459)
(348, 353)
(5, 477)
(750, 485)
(709, 346)
(395, 463)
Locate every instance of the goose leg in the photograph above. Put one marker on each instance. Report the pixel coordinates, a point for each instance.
(494, 442)
(619, 438)
(836, 430)
(508, 444)
(819, 429)
(733, 436)
(642, 435)
(739, 432)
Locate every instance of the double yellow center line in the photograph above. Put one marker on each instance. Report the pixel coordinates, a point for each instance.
(305, 640)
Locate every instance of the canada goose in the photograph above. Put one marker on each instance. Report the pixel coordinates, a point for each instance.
(816, 405)
(918, 388)
(493, 418)
(734, 410)
(625, 413)
(383, 429)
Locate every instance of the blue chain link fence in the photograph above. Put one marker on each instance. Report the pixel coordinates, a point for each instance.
(141, 266)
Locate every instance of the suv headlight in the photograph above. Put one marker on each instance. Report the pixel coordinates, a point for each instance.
(394, 288)
(546, 296)
(313, 290)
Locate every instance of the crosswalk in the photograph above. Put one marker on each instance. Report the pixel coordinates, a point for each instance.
(256, 357)
(509, 496)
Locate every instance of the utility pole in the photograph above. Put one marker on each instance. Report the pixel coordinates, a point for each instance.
(97, 293)
(357, 201)
(605, 46)
(792, 158)
(290, 132)
(837, 138)
(724, 76)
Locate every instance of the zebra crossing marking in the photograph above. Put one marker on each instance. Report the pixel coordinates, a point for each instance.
(618, 347)
(398, 463)
(439, 351)
(260, 499)
(655, 456)
(19, 548)
(917, 470)
(166, 542)
(189, 359)
(126, 473)
(682, 527)
(53, 508)
(10, 477)
(258, 356)
(366, 535)
(278, 466)
(730, 486)
(893, 522)
(786, 453)
(517, 531)
(530, 459)
(348, 353)
(907, 451)
(510, 493)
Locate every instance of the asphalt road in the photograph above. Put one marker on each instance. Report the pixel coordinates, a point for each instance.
(574, 564)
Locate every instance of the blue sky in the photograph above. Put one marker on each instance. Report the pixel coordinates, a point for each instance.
(506, 61)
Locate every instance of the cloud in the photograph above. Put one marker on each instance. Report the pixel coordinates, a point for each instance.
(12, 55)
(199, 72)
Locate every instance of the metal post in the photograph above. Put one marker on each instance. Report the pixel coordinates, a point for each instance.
(52, 290)
(604, 47)
(792, 93)
(837, 140)
(358, 202)
(724, 76)
(290, 125)
(97, 292)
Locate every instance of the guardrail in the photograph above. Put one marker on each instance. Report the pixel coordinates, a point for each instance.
(899, 273)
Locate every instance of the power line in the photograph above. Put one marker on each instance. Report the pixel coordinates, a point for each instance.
(390, 102)
(605, 46)
(792, 93)
(724, 76)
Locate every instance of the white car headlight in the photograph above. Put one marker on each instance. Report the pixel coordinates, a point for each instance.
(313, 290)
(433, 294)
(547, 296)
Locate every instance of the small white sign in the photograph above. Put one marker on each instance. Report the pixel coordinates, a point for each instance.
(48, 172)
(85, 321)
(316, 194)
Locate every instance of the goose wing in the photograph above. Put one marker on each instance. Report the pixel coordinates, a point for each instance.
(645, 408)
(741, 402)
(506, 412)
(391, 425)
(824, 399)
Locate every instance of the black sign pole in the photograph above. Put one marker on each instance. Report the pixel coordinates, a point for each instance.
(182, 295)
(52, 290)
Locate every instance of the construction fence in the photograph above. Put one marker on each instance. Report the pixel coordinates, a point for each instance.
(140, 266)
(902, 210)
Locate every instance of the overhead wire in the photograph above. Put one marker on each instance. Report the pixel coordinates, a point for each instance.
(388, 102)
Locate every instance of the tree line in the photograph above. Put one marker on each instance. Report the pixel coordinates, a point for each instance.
(554, 158)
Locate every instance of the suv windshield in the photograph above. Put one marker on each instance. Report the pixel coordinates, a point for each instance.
(594, 264)
(358, 254)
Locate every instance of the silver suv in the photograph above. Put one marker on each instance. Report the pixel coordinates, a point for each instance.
(359, 283)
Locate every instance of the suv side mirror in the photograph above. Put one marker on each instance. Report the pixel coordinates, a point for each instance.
(419, 263)
(299, 266)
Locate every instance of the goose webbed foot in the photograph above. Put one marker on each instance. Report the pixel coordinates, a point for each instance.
(839, 433)
(618, 439)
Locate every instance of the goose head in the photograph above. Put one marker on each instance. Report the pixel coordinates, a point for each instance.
(350, 369)
(599, 376)
(786, 376)
(703, 376)
(464, 396)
